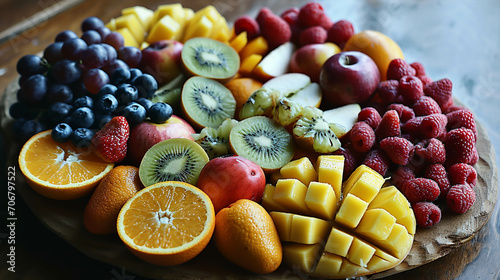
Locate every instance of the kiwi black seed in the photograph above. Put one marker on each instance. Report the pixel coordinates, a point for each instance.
(175, 159)
(210, 59)
(216, 141)
(206, 102)
(263, 141)
(313, 132)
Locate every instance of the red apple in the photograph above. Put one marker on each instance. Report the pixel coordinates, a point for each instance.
(162, 60)
(227, 179)
(349, 77)
(146, 134)
(310, 58)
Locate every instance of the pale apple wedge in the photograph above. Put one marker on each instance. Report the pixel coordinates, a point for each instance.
(288, 84)
(345, 116)
(311, 95)
(275, 63)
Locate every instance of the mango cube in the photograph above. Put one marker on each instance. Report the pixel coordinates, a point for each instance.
(302, 256)
(239, 42)
(256, 46)
(338, 242)
(300, 169)
(351, 211)
(327, 265)
(409, 222)
(376, 224)
(132, 23)
(267, 199)
(398, 243)
(367, 186)
(330, 170)
(350, 269)
(393, 201)
(128, 37)
(165, 29)
(360, 252)
(356, 174)
(249, 63)
(202, 28)
(144, 15)
(283, 223)
(377, 264)
(175, 11)
(291, 194)
(308, 230)
(321, 200)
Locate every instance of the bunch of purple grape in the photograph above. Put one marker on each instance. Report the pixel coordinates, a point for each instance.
(79, 84)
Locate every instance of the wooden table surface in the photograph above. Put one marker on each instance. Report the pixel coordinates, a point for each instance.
(455, 40)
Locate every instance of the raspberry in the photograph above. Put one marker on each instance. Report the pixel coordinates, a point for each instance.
(474, 158)
(389, 125)
(437, 172)
(427, 214)
(426, 106)
(425, 80)
(402, 174)
(370, 116)
(453, 108)
(311, 14)
(399, 150)
(388, 91)
(460, 146)
(430, 126)
(411, 88)
(248, 24)
(312, 35)
(362, 137)
(273, 28)
(441, 91)
(419, 68)
(340, 33)
(291, 16)
(420, 189)
(431, 151)
(405, 113)
(350, 162)
(462, 173)
(398, 68)
(378, 161)
(460, 198)
(462, 118)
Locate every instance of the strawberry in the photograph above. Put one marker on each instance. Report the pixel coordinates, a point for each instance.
(426, 106)
(398, 68)
(312, 35)
(462, 118)
(441, 91)
(273, 28)
(340, 33)
(247, 24)
(110, 143)
(427, 214)
(370, 116)
(460, 146)
(460, 198)
(389, 125)
(399, 150)
(437, 172)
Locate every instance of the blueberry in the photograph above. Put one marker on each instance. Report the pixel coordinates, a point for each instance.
(107, 89)
(106, 103)
(146, 85)
(61, 132)
(160, 112)
(81, 137)
(101, 120)
(120, 76)
(29, 128)
(126, 93)
(146, 103)
(134, 113)
(59, 93)
(84, 101)
(134, 73)
(82, 117)
(59, 111)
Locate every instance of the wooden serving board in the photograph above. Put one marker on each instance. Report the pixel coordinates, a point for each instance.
(65, 218)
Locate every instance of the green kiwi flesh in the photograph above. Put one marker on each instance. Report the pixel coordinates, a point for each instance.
(313, 131)
(175, 159)
(207, 102)
(210, 58)
(216, 141)
(263, 141)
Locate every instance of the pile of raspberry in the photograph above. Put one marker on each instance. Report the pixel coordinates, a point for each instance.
(302, 26)
(412, 132)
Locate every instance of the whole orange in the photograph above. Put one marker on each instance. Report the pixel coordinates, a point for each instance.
(242, 88)
(245, 234)
(118, 186)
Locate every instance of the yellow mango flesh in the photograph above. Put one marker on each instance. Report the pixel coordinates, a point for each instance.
(300, 169)
(370, 230)
(132, 23)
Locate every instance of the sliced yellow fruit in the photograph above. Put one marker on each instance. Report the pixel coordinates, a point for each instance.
(132, 23)
(144, 15)
(165, 29)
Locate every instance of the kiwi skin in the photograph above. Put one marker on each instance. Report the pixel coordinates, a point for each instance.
(180, 151)
(276, 132)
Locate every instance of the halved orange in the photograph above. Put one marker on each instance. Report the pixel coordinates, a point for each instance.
(60, 170)
(167, 223)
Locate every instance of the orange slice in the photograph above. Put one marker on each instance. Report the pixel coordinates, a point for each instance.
(167, 223)
(60, 170)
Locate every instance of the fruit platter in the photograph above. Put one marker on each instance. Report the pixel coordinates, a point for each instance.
(177, 144)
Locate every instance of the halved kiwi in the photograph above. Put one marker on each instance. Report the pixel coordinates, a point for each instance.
(175, 159)
(206, 102)
(314, 133)
(210, 59)
(263, 141)
(216, 141)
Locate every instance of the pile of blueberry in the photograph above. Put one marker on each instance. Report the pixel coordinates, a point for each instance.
(81, 83)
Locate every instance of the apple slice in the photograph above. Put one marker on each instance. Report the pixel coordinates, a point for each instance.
(288, 83)
(311, 95)
(345, 116)
(275, 63)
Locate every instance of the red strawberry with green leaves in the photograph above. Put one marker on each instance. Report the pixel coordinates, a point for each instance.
(110, 143)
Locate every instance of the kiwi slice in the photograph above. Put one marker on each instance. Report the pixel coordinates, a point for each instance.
(313, 132)
(216, 141)
(210, 59)
(263, 141)
(206, 102)
(286, 111)
(175, 159)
